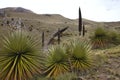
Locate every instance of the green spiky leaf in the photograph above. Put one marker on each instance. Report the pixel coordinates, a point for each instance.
(20, 57)
(56, 62)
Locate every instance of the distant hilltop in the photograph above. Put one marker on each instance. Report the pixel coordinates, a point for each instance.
(15, 9)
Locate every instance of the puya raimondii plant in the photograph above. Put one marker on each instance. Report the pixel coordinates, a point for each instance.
(99, 38)
(20, 56)
(81, 57)
(56, 62)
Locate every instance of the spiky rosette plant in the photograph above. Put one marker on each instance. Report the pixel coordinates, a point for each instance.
(100, 38)
(81, 57)
(56, 62)
(20, 57)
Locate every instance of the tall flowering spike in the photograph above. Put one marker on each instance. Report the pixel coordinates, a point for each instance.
(43, 36)
(58, 36)
(83, 33)
(80, 22)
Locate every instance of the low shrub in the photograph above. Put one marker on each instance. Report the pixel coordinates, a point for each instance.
(114, 37)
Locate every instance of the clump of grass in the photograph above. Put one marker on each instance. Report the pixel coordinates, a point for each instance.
(114, 37)
(66, 76)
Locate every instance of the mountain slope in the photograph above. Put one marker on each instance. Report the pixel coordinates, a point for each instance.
(50, 23)
(16, 9)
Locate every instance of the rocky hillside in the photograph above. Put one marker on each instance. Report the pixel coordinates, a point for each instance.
(49, 23)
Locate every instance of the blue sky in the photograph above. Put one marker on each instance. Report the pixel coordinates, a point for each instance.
(96, 10)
